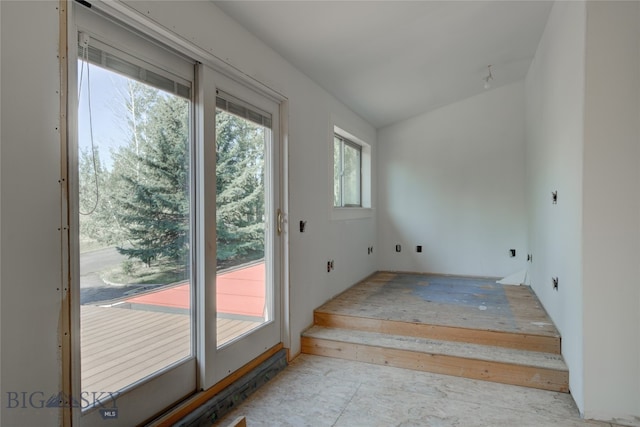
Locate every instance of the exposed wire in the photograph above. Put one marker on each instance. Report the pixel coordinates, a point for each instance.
(85, 59)
(81, 75)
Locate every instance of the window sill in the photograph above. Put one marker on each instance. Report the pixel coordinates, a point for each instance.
(339, 214)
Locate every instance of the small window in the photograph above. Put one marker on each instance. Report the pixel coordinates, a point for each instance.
(347, 173)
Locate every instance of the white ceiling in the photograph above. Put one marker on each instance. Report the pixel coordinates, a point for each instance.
(391, 60)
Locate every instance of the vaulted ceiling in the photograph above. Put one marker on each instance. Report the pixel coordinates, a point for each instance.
(391, 60)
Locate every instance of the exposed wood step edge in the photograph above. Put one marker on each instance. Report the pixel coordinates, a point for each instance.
(451, 348)
(547, 373)
(514, 340)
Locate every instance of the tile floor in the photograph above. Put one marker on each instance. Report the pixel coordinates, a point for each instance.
(321, 391)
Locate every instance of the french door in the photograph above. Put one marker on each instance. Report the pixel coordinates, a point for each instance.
(248, 223)
(175, 171)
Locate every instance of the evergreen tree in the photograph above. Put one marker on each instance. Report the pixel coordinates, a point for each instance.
(150, 177)
(98, 219)
(240, 188)
(143, 204)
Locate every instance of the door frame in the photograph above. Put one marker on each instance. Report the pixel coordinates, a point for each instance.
(155, 31)
(177, 380)
(232, 356)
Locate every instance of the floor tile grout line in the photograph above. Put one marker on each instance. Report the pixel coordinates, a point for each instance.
(347, 404)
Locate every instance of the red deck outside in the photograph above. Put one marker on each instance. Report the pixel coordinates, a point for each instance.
(240, 292)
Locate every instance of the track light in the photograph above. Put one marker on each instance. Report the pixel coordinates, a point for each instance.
(486, 79)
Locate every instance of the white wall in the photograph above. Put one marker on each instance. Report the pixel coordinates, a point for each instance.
(30, 197)
(583, 137)
(452, 180)
(30, 240)
(611, 220)
(554, 130)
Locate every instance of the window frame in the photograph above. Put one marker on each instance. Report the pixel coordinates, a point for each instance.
(345, 142)
(338, 127)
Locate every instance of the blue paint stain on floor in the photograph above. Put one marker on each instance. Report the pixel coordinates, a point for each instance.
(468, 292)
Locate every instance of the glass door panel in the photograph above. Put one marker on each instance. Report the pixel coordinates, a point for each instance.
(242, 203)
(247, 177)
(134, 222)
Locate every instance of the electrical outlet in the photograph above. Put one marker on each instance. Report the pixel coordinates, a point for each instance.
(512, 253)
(398, 248)
(555, 283)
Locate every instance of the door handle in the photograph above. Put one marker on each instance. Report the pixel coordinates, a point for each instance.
(279, 220)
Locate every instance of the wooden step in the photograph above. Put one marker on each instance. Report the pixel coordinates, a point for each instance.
(513, 340)
(483, 362)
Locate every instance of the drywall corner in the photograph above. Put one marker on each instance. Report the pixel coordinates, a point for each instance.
(611, 219)
(554, 151)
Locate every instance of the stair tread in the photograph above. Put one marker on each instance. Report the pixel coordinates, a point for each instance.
(449, 348)
(436, 323)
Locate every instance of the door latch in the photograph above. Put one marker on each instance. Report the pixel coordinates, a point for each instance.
(279, 220)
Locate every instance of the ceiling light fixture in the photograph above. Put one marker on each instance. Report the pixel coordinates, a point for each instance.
(486, 79)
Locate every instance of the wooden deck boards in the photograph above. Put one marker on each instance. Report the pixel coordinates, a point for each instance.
(121, 346)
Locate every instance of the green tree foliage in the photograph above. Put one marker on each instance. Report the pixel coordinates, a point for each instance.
(150, 177)
(240, 200)
(143, 198)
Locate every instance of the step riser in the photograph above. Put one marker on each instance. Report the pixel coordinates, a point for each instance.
(541, 378)
(516, 341)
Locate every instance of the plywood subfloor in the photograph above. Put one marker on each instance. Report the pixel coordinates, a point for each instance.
(461, 302)
(323, 391)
